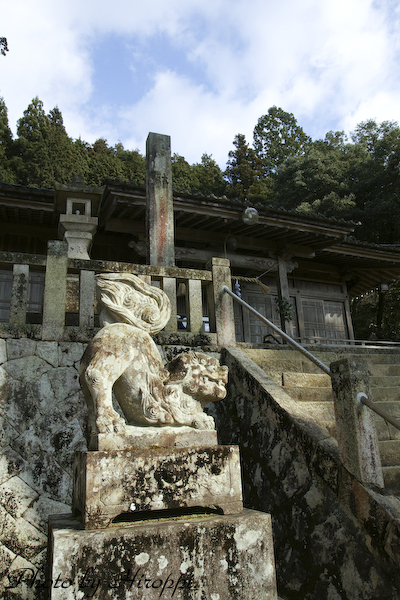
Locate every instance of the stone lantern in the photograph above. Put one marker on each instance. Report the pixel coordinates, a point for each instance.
(78, 205)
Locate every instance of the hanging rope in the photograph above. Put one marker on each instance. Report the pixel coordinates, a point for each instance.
(264, 288)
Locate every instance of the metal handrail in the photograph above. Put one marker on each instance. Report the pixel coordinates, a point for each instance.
(284, 335)
(362, 398)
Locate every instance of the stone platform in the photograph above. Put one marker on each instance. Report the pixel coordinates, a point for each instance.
(153, 437)
(108, 484)
(219, 557)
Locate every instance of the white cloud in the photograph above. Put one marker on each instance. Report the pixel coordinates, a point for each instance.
(330, 63)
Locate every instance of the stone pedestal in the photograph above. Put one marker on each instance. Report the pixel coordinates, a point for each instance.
(218, 557)
(161, 522)
(123, 483)
(153, 437)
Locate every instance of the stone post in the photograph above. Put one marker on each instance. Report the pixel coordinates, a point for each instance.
(55, 291)
(19, 295)
(358, 444)
(194, 297)
(87, 296)
(224, 315)
(160, 212)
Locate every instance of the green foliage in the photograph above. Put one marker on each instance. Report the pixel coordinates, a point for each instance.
(44, 153)
(285, 308)
(244, 173)
(376, 315)
(209, 177)
(183, 178)
(6, 145)
(321, 180)
(32, 147)
(277, 136)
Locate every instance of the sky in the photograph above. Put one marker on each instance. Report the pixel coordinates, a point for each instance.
(201, 71)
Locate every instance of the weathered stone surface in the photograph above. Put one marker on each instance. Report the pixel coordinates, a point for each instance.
(7, 432)
(107, 484)
(38, 513)
(358, 442)
(16, 496)
(70, 354)
(37, 440)
(64, 382)
(11, 464)
(20, 348)
(3, 351)
(333, 537)
(218, 558)
(49, 352)
(47, 477)
(21, 582)
(26, 369)
(159, 200)
(6, 558)
(20, 537)
(154, 437)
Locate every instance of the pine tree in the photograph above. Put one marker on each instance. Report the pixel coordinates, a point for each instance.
(244, 173)
(35, 165)
(6, 142)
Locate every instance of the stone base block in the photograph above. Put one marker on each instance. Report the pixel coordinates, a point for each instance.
(107, 484)
(153, 437)
(218, 558)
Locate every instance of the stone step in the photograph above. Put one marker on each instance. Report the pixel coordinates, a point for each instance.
(291, 379)
(307, 394)
(322, 412)
(388, 381)
(385, 431)
(390, 453)
(382, 370)
(386, 394)
(391, 476)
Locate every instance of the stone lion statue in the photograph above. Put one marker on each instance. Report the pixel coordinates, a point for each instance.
(123, 358)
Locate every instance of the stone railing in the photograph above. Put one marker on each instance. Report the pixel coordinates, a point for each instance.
(67, 305)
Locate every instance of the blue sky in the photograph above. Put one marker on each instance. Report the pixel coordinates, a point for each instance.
(201, 70)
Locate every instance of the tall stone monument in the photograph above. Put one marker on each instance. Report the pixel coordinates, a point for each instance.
(157, 503)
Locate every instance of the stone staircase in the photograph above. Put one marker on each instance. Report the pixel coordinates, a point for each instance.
(306, 383)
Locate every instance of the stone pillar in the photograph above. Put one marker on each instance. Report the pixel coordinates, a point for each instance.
(87, 296)
(160, 212)
(55, 291)
(358, 444)
(195, 303)
(169, 287)
(224, 316)
(19, 295)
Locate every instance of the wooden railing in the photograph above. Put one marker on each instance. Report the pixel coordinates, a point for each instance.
(68, 292)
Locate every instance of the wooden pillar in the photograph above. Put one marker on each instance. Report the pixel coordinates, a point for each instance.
(160, 210)
(283, 292)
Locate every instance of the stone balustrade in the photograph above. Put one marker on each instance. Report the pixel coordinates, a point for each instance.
(67, 306)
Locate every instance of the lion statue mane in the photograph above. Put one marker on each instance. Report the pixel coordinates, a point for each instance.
(123, 358)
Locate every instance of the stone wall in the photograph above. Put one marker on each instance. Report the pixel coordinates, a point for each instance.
(325, 548)
(43, 419)
(334, 539)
